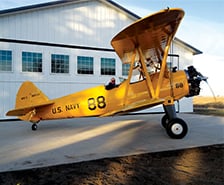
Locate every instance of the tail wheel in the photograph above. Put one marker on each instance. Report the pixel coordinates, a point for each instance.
(177, 128)
(34, 127)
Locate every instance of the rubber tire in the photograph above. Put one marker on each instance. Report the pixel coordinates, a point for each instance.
(165, 121)
(34, 127)
(178, 125)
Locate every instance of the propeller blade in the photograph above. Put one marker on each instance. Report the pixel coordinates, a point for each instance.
(213, 94)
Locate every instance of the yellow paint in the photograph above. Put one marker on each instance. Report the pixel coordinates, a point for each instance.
(129, 76)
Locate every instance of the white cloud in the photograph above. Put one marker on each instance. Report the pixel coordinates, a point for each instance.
(205, 35)
(211, 66)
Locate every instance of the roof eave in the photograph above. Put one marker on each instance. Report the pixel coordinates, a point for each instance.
(194, 50)
(135, 16)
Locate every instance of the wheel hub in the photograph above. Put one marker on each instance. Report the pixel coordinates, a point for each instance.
(177, 128)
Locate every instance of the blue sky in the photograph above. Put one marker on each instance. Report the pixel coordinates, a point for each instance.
(202, 27)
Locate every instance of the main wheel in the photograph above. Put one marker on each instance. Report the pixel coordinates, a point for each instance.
(165, 121)
(177, 128)
(34, 127)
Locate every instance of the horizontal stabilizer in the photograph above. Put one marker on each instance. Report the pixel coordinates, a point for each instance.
(24, 110)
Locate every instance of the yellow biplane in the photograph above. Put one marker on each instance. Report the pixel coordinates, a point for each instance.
(144, 46)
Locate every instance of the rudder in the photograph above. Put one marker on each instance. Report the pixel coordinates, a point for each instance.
(29, 95)
(28, 99)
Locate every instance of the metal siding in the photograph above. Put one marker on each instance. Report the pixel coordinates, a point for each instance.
(90, 23)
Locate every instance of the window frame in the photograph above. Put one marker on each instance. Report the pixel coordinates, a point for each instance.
(63, 63)
(125, 69)
(29, 58)
(5, 58)
(87, 62)
(106, 67)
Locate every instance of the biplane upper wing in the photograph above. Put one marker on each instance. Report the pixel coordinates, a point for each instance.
(148, 41)
(151, 34)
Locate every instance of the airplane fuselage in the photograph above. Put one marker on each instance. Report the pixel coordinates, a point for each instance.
(98, 101)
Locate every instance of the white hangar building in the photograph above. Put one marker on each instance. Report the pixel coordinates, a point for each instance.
(64, 47)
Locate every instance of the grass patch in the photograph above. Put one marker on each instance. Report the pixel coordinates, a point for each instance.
(215, 105)
(209, 111)
(208, 105)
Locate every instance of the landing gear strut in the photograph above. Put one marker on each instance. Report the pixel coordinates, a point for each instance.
(175, 127)
(32, 119)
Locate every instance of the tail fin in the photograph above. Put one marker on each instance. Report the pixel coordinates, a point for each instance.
(28, 98)
(29, 95)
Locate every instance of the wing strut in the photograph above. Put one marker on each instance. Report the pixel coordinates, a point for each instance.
(129, 76)
(151, 90)
(163, 66)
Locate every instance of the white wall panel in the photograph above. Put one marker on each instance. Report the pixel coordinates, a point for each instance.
(89, 23)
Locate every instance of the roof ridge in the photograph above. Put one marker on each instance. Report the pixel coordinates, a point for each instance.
(58, 2)
(35, 6)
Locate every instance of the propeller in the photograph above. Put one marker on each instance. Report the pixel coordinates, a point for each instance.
(213, 94)
(194, 80)
(205, 79)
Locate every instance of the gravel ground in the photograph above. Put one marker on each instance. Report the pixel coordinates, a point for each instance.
(197, 166)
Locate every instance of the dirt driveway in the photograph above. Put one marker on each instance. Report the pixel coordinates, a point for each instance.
(201, 166)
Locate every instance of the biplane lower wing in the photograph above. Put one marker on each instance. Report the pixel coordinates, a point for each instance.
(142, 104)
